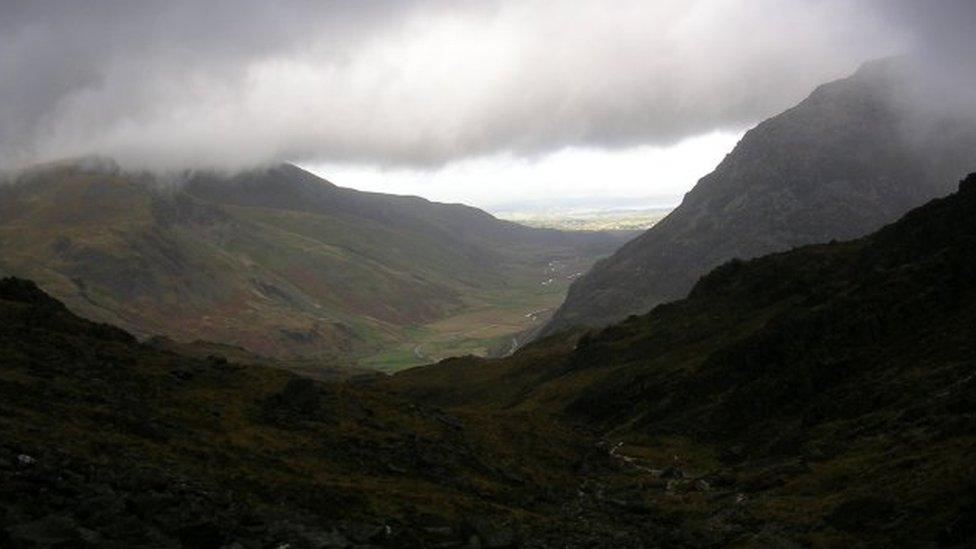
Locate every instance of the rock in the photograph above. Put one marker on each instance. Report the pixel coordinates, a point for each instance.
(50, 531)
(181, 375)
(318, 539)
(203, 535)
(762, 481)
(365, 533)
(672, 473)
(301, 394)
(968, 184)
(631, 504)
(395, 469)
(960, 531)
(150, 504)
(89, 537)
(858, 514)
(718, 481)
(481, 533)
(439, 531)
(679, 486)
(26, 291)
(770, 540)
(733, 454)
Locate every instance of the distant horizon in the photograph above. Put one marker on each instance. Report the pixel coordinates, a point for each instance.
(643, 177)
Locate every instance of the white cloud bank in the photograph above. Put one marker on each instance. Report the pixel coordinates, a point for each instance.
(177, 83)
(646, 176)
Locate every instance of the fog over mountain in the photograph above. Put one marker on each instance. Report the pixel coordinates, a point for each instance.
(846, 160)
(438, 273)
(180, 84)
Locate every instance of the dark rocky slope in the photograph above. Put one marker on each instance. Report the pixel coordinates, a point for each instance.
(851, 157)
(108, 443)
(825, 395)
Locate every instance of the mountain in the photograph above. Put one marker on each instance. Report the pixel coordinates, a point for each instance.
(821, 396)
(854, 155)
(109, 443)
(274, 260)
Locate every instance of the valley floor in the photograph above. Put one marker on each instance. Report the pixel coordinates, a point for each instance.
(493, 323)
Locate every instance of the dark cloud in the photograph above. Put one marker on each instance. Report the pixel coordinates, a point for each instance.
(74, 71)
(182, 83)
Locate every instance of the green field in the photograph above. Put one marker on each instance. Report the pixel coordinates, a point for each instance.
(488, 325)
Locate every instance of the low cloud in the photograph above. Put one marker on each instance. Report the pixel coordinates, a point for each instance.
(179, 84)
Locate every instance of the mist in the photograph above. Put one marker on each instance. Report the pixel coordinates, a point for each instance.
(164, 85)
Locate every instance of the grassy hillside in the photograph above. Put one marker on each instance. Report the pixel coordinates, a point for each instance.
(276, 261)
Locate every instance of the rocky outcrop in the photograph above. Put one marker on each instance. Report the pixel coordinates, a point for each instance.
(845, 161)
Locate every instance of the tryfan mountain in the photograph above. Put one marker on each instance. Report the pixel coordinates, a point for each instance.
(854, 155)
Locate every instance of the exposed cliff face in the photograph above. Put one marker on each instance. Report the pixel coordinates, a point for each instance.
(845, 161)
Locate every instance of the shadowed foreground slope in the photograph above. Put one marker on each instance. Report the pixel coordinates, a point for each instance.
(822, 395)
(108, 443)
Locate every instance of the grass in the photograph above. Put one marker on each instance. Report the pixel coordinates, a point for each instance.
(371, 281)
(487, 325)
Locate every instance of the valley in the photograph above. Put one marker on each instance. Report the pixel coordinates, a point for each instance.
(284, 264)
(492, 323)
(491, 274)
(781, 403)
(609, 219)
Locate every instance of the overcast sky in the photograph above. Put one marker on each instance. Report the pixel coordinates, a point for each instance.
(487, 102)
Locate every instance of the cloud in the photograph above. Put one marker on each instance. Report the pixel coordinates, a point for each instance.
(641, 176)
(409, 84)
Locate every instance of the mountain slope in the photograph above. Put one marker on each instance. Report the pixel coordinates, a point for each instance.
(825, 395)
(848, 159)
(275, 260)
(821, 397)
(105, 442)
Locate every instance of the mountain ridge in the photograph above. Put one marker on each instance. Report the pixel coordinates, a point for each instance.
(838, 165)
(275, 260)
